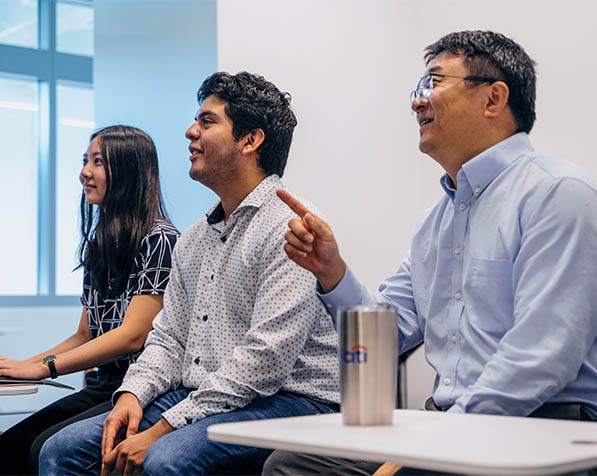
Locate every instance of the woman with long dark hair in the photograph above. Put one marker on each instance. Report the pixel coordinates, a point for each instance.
(125, 251)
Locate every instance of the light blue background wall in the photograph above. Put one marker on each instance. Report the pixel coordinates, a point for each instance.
(150, 58)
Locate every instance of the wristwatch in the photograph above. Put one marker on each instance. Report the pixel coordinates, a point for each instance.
(49, 361)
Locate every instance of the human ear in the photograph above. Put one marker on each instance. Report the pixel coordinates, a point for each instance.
(497, 99)
(253, 140)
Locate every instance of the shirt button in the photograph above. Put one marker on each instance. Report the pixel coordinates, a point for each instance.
(447, 381)
(212, 277)
(453, 338)
(223, 239)
(462, 207)
(457, 251)
(188, 420)
(477, 189)
(197, 360)
(205, 317)
(458, 296)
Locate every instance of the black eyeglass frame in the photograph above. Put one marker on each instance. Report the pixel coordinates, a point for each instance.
(419, 95)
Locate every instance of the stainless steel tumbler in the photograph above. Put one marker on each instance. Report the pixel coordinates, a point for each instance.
(368, 364)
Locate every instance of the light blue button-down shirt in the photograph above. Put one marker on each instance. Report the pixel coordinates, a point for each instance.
(501, 284)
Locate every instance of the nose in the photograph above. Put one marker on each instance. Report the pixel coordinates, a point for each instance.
(85, 172)
(192, 132)
(419, 104)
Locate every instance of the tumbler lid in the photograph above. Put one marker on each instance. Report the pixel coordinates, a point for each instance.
(374, 307)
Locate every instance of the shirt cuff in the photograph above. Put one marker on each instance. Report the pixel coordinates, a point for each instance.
(455, 409)
(347, 293)
(144, 395)
(183, 413)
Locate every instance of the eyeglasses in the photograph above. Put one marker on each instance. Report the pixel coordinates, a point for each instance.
(425, 85)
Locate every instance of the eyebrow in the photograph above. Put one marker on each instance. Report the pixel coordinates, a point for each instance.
(204, 114)
(434, 69)
(94, 154)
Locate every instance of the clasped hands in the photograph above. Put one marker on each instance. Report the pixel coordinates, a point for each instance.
(126, 455)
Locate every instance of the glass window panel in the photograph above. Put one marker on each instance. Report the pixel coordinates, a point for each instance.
(18, 195)
(75, 124)
(18, 23)
(74, 28)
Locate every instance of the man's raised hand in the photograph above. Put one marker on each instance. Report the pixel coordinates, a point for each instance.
(310, 243)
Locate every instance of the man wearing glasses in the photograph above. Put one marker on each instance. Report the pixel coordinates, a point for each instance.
(500, 280)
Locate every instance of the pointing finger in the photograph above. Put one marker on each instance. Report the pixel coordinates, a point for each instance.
(296, 206)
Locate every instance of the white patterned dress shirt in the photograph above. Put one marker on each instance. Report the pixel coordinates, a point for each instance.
(240, 320)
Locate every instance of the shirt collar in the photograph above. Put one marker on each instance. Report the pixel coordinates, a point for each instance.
(482, 169)
(254, 200)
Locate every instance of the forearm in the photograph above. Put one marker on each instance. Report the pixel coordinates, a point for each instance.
(395, 291)
(98, 351)
(66, 345)
(158, 368)
(161, 428)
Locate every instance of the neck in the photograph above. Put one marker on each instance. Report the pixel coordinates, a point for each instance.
(453, 163)
(232, 194)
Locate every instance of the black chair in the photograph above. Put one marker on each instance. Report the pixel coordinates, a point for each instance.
(401, 398)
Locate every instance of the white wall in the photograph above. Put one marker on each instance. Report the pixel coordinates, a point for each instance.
(151, 56)
(350, 65)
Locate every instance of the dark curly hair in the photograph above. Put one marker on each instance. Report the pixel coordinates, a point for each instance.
(255, 103)
(490, 54)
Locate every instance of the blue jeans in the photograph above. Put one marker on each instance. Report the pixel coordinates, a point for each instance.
(77, 448)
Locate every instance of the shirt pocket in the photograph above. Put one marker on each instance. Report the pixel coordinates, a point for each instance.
(490, 296)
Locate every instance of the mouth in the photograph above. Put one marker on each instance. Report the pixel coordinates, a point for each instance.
(424, 122)
(195, 151)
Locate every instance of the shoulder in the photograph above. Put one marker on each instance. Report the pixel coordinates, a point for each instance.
(276, 208)
(543, 189)
(551, 171)
(542, 179)
(163, 227)
(192, 233)
(163, 235)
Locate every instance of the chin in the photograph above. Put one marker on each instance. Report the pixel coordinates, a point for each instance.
(425, 146)
(195, 174)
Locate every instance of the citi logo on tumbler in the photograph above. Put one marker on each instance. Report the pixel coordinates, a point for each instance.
(356, 355)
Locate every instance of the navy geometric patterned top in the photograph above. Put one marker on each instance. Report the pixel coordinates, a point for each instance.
(149, 275)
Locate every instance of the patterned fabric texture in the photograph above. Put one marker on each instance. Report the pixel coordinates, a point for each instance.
(240, 320)
(149, 275)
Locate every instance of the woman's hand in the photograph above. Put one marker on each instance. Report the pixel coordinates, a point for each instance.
(23, 369)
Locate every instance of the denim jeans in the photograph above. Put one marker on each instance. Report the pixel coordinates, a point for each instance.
(77, 448)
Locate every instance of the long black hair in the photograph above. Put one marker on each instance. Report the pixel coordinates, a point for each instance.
(112, 232)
